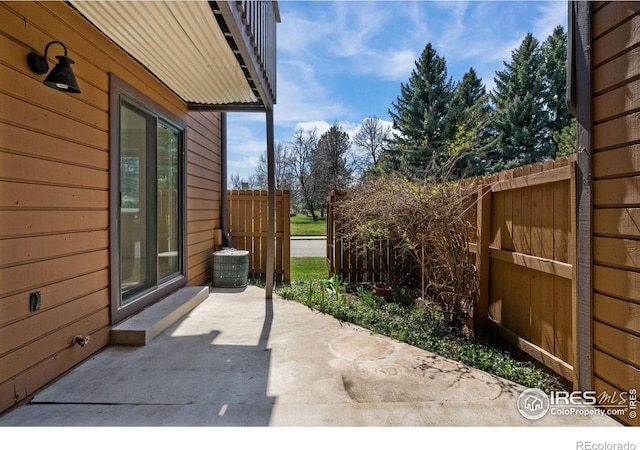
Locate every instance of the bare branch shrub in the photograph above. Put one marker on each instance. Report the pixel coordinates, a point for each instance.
(425, 223)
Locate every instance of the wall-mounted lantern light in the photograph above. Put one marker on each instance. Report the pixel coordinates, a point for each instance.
(61, 76)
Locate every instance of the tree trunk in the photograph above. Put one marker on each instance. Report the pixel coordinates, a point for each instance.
(313, 212)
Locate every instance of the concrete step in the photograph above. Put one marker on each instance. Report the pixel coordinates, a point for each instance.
(139, 329)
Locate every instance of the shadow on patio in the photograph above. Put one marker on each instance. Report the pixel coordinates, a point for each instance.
(211, 368)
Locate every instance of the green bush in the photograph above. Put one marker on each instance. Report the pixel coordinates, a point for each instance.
(425, 224)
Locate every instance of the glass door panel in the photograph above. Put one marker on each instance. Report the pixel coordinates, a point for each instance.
(168, 210)
(134, 266)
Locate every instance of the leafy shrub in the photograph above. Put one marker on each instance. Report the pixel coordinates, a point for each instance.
(425, 224)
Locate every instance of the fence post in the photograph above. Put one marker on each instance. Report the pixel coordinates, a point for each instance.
(285, 216)
(574, 270)
(337, 238)
(483, 220)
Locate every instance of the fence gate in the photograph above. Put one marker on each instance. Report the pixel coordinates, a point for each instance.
(248, 227)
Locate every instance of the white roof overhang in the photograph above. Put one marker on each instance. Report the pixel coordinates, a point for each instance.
(181, 43)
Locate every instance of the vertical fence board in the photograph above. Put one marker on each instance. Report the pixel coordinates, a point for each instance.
(562, 288)
(573, 261)
(542, 317)
(496, 289)
(248, 218)
(496, 292)
(517, 273)
(330, 240)
(537, 292)
(286, 235)
(340, 246)
(482, 238)
(548, 196)
(508, 313)
(497, 218)
(524, 244)
(507, 229)
(278, 232)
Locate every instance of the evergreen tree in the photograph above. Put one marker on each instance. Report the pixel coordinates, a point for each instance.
(469, 94)
(520, 118)
(468, 114)
(554, 72)
(420, 113)
(565, 139)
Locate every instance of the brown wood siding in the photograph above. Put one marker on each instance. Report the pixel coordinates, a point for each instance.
(616, 198)
(203, 193)
(54, 193)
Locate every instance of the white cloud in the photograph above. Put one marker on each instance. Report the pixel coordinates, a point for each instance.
(246, 141)
(302, 96)
(356, 24)
(247, 147)
(455, 27)
(477, 34)
(245, 166)
(319, 126)
(348, 37)
(350, 128)
(554, 13)
(244, 138)
(297, 34)
(392, 65)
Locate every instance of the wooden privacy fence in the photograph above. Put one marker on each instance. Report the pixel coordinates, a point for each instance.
(347, 260)
(248, 226)
(524, 248)
(525, 257)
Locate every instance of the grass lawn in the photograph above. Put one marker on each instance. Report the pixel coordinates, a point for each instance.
(309, 268)
(303, 225)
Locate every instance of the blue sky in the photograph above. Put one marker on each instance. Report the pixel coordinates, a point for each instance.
(343, 61)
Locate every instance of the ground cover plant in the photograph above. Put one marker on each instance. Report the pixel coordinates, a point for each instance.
(414, 322)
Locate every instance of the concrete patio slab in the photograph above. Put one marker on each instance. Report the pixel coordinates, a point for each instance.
(238, 360)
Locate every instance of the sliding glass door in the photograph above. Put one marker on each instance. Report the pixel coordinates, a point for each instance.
(150, 247)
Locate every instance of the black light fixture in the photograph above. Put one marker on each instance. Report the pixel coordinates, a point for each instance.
(61, 76)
